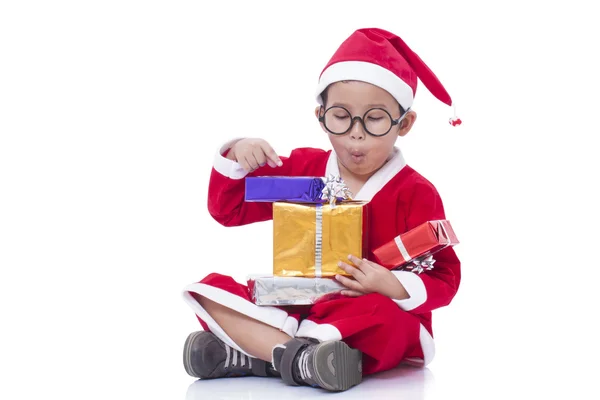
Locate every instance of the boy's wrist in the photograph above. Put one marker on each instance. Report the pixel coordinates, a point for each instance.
(397, 291)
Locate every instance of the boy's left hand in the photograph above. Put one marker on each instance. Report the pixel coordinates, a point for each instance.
(370, 277)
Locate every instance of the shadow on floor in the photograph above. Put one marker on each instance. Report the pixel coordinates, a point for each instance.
(405, 383)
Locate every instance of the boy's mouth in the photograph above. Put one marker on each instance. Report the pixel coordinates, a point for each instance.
(357, 156)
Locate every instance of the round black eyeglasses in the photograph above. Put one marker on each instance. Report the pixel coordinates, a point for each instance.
(376, 121)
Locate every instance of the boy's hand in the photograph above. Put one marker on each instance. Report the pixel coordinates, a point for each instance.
(370, 277)
(253, 153)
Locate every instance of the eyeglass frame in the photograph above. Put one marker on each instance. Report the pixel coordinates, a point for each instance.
(361, 119)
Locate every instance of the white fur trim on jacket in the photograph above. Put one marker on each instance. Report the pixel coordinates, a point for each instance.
(378, 180)
(227, 167)
(415, 288)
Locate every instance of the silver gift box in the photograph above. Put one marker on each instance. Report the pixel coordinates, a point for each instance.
(271, 290)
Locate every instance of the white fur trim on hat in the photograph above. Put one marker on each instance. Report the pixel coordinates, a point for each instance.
(370, 73)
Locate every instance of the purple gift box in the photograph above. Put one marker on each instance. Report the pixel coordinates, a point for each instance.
(298, 189)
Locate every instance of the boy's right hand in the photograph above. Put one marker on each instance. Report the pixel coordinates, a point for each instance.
(252, 153)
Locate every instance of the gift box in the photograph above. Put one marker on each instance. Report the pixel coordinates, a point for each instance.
(271, 290)
(414, 248)
(295, 189)
(310, 239)
(298, 189)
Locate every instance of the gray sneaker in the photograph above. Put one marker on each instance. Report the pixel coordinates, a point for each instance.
(330, 365)
(205, 356)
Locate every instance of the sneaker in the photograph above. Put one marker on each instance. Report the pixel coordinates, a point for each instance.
(205, 356)
(330, 365)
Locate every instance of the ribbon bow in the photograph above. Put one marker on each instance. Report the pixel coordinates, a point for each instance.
(335, 190)
(420, 265)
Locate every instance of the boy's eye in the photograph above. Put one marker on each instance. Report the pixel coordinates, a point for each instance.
(342, 116)
(375, 119)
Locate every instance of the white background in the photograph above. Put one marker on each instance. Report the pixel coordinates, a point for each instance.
(111, 113)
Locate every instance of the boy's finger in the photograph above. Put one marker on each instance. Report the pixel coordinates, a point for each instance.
(271, 154)
(260, 157)
(251, 162)
(351, 293)
(244, 164)
(372, 264)
(359, 262)
(349, 283)
(350, 269)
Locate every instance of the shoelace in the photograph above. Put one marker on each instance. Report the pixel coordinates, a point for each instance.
(303, 366)
(232, 358)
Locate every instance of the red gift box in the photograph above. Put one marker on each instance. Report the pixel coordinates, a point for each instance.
(418, 243)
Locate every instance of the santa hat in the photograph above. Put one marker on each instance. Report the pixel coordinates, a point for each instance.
(383, 59)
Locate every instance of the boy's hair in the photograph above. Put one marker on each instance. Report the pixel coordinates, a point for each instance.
(324, 97)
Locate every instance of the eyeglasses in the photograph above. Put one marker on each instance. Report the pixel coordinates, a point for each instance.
(376, 121)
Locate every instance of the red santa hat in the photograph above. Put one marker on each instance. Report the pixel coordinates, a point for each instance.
(383, 59)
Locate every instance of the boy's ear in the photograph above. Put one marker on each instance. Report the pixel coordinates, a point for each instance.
(317, 115)
(407, 123)
(317, 111)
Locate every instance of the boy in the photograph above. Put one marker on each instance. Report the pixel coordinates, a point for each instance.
(383, 319)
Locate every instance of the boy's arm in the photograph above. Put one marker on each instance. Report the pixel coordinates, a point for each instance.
(435, 288)
(227, 187)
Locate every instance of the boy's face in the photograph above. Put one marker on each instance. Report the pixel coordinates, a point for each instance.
(358, 152)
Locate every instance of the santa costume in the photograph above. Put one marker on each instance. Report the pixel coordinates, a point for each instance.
(388, 332)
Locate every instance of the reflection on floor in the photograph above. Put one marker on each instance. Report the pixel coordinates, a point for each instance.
(401, 383)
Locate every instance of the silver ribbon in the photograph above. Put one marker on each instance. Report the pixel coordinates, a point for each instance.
(402, 248)
(335, 189)
(420, 265)
(319, 240)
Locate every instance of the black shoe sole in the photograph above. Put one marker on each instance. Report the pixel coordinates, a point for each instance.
(347, 363)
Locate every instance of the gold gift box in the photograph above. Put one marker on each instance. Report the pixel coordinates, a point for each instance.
(296, 241)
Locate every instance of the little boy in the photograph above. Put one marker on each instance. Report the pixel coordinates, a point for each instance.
(383, 318)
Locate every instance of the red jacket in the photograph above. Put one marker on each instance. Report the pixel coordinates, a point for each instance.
(399, 200)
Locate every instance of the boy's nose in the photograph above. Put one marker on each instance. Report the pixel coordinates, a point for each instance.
(357, 131)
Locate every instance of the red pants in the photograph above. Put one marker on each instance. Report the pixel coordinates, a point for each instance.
(374, 324)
